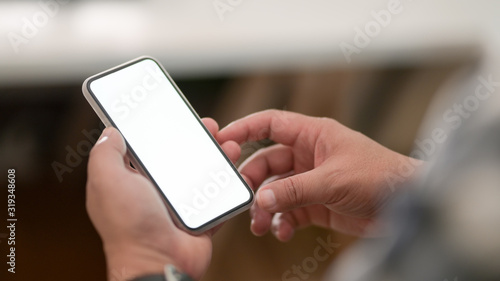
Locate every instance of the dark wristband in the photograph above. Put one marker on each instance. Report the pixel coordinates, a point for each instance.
(171, 274)
(154, 277)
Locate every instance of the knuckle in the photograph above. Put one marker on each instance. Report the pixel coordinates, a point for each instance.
(327, 122)
(271, 111)
(293, 192)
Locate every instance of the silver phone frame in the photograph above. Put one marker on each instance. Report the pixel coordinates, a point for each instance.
(94, 103)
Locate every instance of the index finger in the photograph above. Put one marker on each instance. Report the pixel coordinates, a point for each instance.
(280, 126)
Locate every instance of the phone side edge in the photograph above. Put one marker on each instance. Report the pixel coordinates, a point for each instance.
(238, 209)
(90, 99)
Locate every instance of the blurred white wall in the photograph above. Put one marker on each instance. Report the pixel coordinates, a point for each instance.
(60, 42)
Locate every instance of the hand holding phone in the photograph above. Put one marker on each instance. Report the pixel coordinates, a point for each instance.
(136, 231)
(168, 143)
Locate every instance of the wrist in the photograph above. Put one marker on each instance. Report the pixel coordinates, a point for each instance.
(131, 262)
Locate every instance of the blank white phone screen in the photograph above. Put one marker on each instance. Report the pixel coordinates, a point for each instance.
(170, 142)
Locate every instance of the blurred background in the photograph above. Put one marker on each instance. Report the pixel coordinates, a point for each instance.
(373, 65)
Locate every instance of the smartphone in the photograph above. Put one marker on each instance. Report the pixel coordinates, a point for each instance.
(168, 143)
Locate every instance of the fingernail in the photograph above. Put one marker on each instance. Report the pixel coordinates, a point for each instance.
(252, 224)
(277, 234)
(104, 136)
(267, 200)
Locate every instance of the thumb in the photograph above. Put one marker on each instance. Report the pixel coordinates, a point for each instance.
(293, 192)
(107, 155)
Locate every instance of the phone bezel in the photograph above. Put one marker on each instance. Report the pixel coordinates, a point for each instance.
(106, 119)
